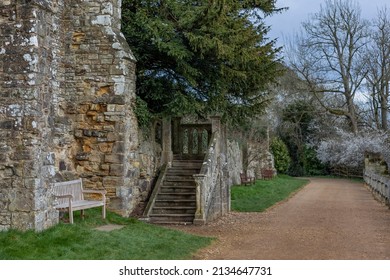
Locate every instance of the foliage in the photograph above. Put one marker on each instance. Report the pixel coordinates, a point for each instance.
(201, 57)
(80, 241)
(312, 166)
(264, 193)
(142, 113)
(281, 155)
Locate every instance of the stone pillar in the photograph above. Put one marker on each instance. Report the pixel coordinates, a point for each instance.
(167, 155)
(200, 215)
(176, 135)
(216, 124)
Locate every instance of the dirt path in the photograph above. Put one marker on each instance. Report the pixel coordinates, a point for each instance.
(328, 219)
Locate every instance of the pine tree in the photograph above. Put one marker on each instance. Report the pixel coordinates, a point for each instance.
(203, 56)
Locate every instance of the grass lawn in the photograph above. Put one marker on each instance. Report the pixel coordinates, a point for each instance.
(80, 241)
(136, 240)
(265, 193)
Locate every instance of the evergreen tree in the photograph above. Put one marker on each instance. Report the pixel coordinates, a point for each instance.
(203, 56)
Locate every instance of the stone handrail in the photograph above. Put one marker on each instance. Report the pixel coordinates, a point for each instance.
(156, 189)
(206, 181)
(379, 185)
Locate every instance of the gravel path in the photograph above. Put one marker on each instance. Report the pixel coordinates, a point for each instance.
(328, 219)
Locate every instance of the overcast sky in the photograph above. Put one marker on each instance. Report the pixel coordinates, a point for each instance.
(284, 25)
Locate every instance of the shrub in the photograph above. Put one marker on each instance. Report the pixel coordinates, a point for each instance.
(281, 155)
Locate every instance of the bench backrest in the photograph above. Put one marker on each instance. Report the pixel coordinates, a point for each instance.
(74, 187)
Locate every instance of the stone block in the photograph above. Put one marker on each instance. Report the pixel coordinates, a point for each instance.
(82, 156)
(119, 147)
(105, 147)
(110, 181)
(117, 99)
(21, 200)
(114, 158)
(116, 170)
(23, 220)
(7, 124)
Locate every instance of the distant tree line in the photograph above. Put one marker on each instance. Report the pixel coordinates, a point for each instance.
(334, 97)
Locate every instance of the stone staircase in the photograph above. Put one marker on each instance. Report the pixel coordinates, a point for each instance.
(175, 202)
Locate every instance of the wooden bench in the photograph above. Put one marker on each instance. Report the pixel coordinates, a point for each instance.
(246, 180)
(267, 174)
(69, 196)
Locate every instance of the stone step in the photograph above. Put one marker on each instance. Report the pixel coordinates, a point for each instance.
(173, 183)
(178, 189)
(183, 171)
(171, 218)
(187, 164)
(175, 203)
(176, 196)
(174, 210)
(179, 178)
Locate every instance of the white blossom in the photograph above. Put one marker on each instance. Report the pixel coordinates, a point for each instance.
(348, 149)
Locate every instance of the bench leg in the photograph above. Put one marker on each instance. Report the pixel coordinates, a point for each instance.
(70, 216)
(104, 211)
(82, 214)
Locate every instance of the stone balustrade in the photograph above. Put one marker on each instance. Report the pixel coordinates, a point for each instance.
(379, 185)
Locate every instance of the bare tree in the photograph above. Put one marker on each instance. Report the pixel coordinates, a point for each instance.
(378, 68)
(328, 56)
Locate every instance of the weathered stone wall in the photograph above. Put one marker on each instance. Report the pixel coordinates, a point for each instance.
(150, 150)
(259, 158)
(67, 90)
(28, 68)
(234, 162)
(258, 155)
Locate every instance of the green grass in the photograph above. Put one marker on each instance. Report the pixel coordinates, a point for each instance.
(80, 241)
(265, 193)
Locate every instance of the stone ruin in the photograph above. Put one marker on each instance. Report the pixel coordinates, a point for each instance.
(67, 88)
(67, 91)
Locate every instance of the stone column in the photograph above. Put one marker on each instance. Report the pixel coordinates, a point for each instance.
(200, 216)
(176, 135)
(167, 155)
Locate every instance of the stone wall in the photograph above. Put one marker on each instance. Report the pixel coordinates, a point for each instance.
(67, 87)
(258, 157)
(150, 150)
(234, 162)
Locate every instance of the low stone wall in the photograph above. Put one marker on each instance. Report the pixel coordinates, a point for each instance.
(379, 185)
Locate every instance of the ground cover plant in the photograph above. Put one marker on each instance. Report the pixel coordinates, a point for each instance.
(265, 193)
(81, 241)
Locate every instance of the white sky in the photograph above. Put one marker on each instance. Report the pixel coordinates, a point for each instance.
(284, 25)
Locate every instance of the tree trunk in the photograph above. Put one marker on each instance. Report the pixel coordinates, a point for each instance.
(384, 110)
(352, 118)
